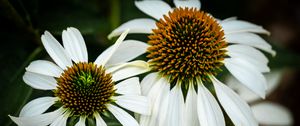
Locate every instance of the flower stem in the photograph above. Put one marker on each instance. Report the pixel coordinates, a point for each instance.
(115, 13)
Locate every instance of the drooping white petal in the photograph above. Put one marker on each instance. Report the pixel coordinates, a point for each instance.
(243, 91)
(129, 86)
(209, 111)
(99, 120)
(37, 106)
(148, 82)
(272, 78)
(61, 120)
(135, 103)
(140, 25)
(81, 121)
(163, 107)
(236, 108)
(39, 81)
(176, 110)
(44, 67)
(56, 51)
(268, 113)
(158, 96)
(236, 26)
(250, 39)
(229, 19)
(126, 70)
(247, 75)
(124, 118)
(187, 3)
(250, 55)
(191, 107)
(154, 8)
(38, 120)
(103, 58)
(128, 50)
(75, 45)
(248, 51)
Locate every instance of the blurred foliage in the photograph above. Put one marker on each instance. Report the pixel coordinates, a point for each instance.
(23, 21)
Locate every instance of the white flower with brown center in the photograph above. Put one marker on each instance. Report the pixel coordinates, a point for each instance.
(188, 50)
(84, 89)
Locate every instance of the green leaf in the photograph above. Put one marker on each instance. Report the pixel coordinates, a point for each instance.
(14, 93)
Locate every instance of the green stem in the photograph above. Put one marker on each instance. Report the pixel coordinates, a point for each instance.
(10, 13)
(115, 13)
(32, 56)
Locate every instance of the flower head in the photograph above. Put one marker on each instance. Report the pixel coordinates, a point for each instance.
(188, 49)
(187, 43)
(84, 89)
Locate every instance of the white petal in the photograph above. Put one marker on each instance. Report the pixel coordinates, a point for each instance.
(124, 118)
(268, 113)
(61, 120)
(126, 70)
(175, 111)
(141, 25)
(135, 103)
(103, 58)
(75, 45)
(191, 107)
(273, 80)
(128, 50)
(99, 120)
(187, 3)
(44, 67)
(154, 8)
(37, 106)
(38, 120)
(39, 81)
(235, 26)
(129, 86)
(163, 106)
(158, 96)
(229, 19)
(236, 108)
(209, 111)
(56, 51)
(148, 82)
(81, 121)
(250, 39)
(247, 75)
(243, 91)
(249, 54)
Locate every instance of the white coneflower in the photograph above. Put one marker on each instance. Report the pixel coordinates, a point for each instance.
(84, 89)
(267, 113)
(187, 49)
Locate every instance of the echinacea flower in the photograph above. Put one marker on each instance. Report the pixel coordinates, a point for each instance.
(84, 89)
(267, 113)
(188, 48)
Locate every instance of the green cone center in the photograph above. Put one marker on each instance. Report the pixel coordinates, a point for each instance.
(85, 88)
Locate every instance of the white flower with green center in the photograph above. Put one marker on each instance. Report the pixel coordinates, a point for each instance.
(84, 89)
(188, 48)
